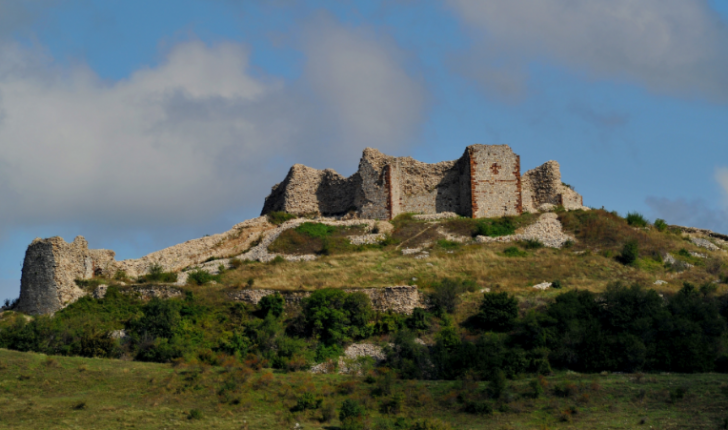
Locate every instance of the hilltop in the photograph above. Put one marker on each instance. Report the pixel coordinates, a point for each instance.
(379, 322)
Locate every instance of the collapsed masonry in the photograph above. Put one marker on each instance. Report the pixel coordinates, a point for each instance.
(485, 182)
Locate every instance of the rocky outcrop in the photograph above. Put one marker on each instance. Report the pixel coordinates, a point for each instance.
(401, 299)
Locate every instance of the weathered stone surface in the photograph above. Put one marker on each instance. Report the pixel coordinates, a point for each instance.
(50, 269)
(51, 266)
(401, 299)
(485, 182)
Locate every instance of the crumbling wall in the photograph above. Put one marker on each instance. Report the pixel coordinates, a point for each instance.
(51, 266)
(311, 191)
(374, 198)
(50, 269)
(401, 299)
(495, 181)
(428, 188)
(543, 185)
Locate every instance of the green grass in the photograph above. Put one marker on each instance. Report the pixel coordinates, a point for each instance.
(41, 392)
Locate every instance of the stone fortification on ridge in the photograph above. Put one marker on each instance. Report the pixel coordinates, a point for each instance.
(485, 182)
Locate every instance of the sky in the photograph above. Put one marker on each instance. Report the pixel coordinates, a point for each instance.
(143, 124)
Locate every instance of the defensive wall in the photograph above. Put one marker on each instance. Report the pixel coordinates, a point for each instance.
(485, 182)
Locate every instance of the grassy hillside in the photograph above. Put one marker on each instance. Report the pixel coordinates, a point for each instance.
(489, 351)
(42, 392)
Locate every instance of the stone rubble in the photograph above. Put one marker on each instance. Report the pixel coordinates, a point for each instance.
(542, 286)
(367, 239)
(547, 230)
(660, 282)
(401, 299)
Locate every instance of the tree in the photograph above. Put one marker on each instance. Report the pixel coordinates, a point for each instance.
(498, 312)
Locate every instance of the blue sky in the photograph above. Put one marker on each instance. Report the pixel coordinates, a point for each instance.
(143, 124)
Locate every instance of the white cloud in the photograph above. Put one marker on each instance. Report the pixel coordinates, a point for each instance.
(671, 46)
(195, 136)
(360, 79)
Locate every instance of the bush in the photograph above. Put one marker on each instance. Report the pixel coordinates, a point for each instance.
(446, 294)
(351, 409)
(419, 320)
(494, 228)
(532, 244)
(556, 284)
(195, 414)
(448, 244)
(336, 317)
(160, 319)
(630, 253)
(429, 424)
(278, 218)
(636, 219)
(660, 224)
(498, 384)
(272, 304)
(306, 401)
(498, 312)
(201, 277)
(514, 252)
(157, 274)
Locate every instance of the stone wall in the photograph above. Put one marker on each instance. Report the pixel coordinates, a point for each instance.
(401, 299)
(50, 269)
(543, 185)
(485, 182)
(495, 181)
(51, 266)
(310, 191)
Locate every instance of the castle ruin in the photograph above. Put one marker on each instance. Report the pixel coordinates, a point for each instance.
(485, 182)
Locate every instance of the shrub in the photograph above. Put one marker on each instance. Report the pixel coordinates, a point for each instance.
(120, 275)
(636, 219)
(278, 218)
(630, 252)
(497, 384)
(514, 252)
(351, 409)
(335, 317)
(195, 414)
(660, 224)
(448, 244)
(498, 312)
(306, 401)
(494, 228)
(532, 244)
(556, 284)
(419, 320)
(201, 277)
(536, 387)
(479, 407)
(445, 295)
(156, 273)
(160, 319)
(272, 304)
